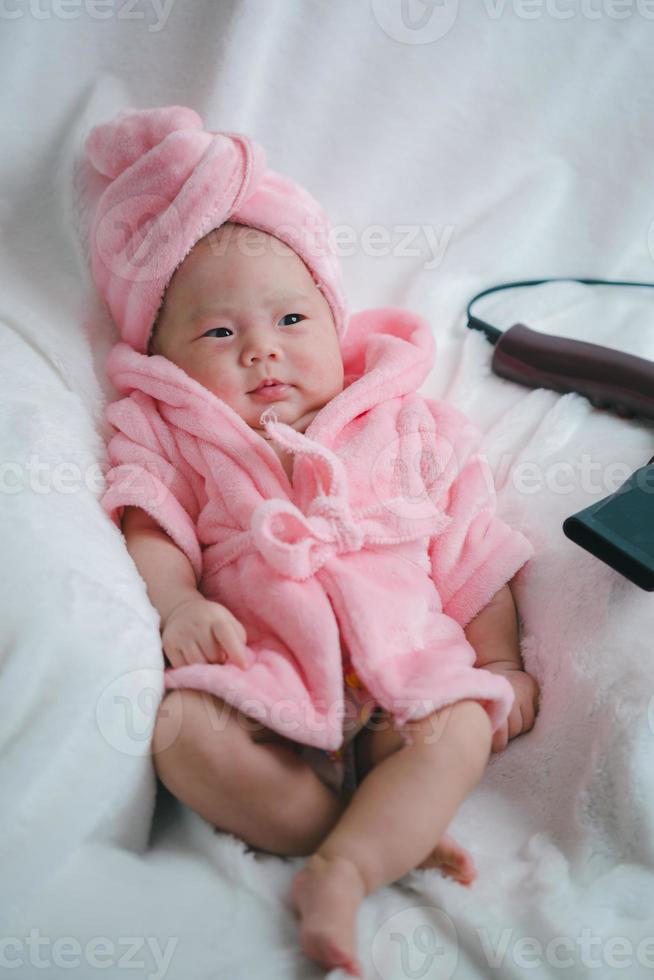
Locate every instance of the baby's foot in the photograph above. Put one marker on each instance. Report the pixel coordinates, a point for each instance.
(453, 860)
(326, 894)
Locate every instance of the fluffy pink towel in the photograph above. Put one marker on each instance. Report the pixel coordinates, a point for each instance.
(168, 183)
(386, 535)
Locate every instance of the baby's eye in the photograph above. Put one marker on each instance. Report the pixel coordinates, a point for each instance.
(296, 319)
(300, 315)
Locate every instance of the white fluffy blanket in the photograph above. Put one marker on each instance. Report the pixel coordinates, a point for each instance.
(511, 143)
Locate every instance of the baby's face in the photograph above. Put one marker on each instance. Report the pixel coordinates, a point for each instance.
(243, 307)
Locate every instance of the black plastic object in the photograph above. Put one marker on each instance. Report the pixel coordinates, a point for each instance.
(619, 529)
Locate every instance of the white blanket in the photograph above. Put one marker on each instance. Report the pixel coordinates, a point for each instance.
(462, 146)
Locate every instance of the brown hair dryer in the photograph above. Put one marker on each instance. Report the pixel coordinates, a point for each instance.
(619, 529)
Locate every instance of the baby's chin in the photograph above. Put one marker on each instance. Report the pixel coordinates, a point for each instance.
(304, 420)
(288, 414)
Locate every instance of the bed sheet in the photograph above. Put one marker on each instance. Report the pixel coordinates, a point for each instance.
(455, 145)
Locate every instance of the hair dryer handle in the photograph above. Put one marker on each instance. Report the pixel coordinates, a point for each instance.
(609, 378)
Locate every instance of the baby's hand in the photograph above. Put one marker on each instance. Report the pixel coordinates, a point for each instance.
(525, 706)
(201, 631)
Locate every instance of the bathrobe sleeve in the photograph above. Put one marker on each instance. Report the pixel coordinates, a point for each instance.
(478, 552)
(147, 470)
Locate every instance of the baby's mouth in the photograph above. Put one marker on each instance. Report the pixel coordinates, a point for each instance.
(271, 391)
(267, 383)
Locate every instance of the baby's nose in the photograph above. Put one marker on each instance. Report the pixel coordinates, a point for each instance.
(261, 355)
(261, 349)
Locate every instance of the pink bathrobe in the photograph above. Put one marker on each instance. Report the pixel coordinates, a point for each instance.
(386, 538)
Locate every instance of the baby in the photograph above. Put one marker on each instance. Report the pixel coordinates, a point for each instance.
(242, 326)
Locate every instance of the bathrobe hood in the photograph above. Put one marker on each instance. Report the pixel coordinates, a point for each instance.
(386, 538)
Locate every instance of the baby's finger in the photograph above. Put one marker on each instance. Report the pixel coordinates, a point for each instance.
(236, 649)
(534, 701)
(174, 656)
(212, 650)
(528, 716)
(500, 739)
(228, 638)
(515, 719)
(240, 630)
(193, 654)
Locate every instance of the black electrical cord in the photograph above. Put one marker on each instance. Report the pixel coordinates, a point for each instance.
(494, 334)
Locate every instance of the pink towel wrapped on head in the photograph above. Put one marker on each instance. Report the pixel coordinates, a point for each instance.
(386, 538)
(167, 184)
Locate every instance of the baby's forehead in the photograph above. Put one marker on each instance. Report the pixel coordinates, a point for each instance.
(226, 245)
(245, 238)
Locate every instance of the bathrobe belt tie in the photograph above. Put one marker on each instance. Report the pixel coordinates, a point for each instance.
(296, 544)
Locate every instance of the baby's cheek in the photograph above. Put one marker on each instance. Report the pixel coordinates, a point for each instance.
(322, 375)
(219, 381)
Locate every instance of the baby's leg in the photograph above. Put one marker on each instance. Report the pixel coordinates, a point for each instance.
(374, 743)
(398, 813)
(213, 758)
